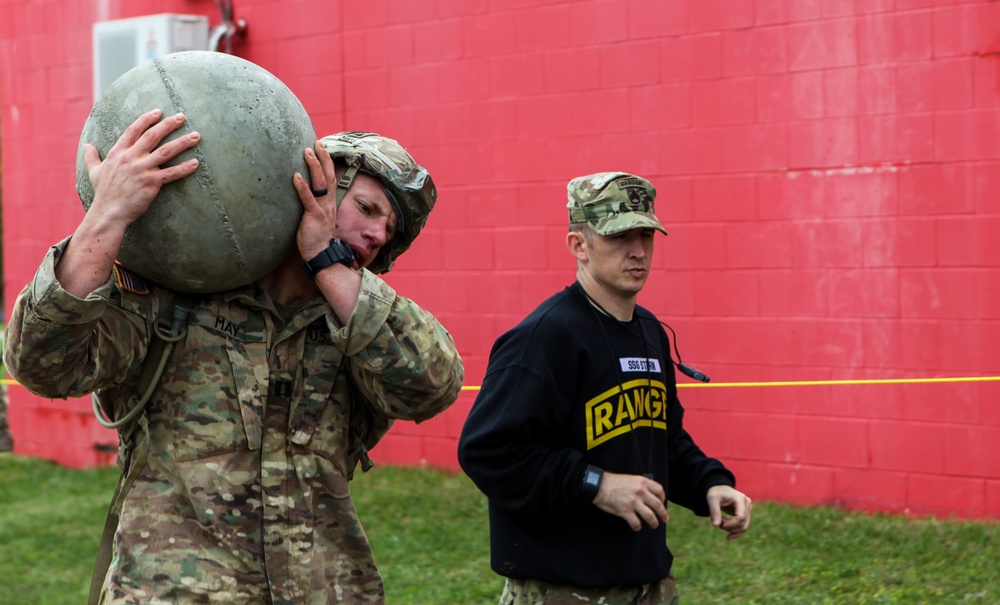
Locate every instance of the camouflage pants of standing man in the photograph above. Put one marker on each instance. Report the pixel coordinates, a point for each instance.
(6, 441)
(533, 592)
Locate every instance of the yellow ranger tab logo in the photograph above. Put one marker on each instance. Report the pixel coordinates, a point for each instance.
(635, 404)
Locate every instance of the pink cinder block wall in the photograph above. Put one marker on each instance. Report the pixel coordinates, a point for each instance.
(829, 173)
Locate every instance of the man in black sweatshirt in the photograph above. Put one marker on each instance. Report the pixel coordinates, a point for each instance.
(577, 437)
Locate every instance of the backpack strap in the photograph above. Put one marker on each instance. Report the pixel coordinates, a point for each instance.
(133, 429)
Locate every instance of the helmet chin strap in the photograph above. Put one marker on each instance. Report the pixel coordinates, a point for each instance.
(344, 183)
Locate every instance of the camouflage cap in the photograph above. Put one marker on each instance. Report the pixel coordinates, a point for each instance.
(613, 202)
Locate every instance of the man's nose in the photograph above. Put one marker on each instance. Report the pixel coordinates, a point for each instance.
(377, 233)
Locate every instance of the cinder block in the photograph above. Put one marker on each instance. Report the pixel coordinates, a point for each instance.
(441, 452)
(841, 89)
(599, 22)
(794, 293)
(727, 293)
(488, 32)
(755, 148)
(972, 451)
(437, 40)
(691, 58)
(993, 499)
(964, 30)
(694, 151)
(966, 134)
(869, 490)
(543, 28)
(945, 496)
(520, 248)
(766, 246)
(725, 198)
(402, 450)
(660, 107)
(791, 195)
(869, 401)
(762, 437)
(823, 44)
(894, 37)
(754, 51)
(938, 293)
(716, 15)
(723, 102)
(868, 293)
(367, 88)
(656, 19)
(969, 348)
(358, 16)
(836, 442)
(799, 484)
(877, 91)
(563, 68)
(907, 446)
(619, 66)
(823, 143)
(899, 242)
(968, 241)
(783, 97)
(834, 244)
(935, 85)
(985, 185)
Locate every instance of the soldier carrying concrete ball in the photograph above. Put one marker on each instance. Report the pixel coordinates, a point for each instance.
(235, 473)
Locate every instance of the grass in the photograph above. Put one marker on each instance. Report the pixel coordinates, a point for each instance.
(430, 536)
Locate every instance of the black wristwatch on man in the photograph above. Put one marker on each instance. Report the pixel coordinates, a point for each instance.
(591, 482)
(336, 252)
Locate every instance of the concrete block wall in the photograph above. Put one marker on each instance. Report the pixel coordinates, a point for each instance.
(829, 172)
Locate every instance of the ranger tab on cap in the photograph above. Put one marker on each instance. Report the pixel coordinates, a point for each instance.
(613, 202)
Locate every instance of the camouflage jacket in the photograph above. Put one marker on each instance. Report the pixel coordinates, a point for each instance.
(244, 496)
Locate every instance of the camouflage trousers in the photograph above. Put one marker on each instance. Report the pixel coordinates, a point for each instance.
(6, 441)
(533, 592)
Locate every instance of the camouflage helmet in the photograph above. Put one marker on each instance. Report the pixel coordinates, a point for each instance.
(407, 185)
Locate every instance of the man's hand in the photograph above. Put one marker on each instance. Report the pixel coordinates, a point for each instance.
(319, 212)
(735, 505)
(634, 498)
(125, 184)
(129, 178)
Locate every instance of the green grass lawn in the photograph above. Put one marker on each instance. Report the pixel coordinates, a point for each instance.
(430, 536)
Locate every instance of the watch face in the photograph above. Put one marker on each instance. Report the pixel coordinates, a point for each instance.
(592, 478)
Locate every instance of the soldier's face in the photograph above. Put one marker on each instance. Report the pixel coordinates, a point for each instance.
(620, 263)
(365, 219)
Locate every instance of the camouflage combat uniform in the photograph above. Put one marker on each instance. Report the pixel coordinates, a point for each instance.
(244, 497)
(6, 440)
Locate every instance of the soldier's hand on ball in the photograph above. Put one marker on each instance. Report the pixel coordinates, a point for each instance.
(129, 178)
(319, 202)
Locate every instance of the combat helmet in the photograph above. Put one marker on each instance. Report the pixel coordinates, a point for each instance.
(407, 185)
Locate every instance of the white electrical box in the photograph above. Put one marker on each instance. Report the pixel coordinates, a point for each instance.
(122, 44)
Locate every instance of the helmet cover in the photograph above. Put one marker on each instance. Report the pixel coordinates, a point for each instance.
(408, 185)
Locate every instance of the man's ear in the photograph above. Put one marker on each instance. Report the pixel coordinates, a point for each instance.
(577, 245)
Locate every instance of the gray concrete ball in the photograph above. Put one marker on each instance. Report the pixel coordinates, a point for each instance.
(234, 220)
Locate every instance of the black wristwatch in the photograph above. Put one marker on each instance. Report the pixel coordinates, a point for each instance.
(591, 482)
(336, 252)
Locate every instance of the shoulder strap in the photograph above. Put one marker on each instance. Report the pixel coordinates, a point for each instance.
(133, 429)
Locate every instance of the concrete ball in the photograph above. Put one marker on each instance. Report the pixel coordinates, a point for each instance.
(234, 220)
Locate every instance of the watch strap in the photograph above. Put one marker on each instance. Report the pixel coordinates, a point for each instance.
(336, 252)
(592, 477)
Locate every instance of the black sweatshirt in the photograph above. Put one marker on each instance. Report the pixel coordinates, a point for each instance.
(550, 404)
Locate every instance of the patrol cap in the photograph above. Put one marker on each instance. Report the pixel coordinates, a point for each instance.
(612, 202)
